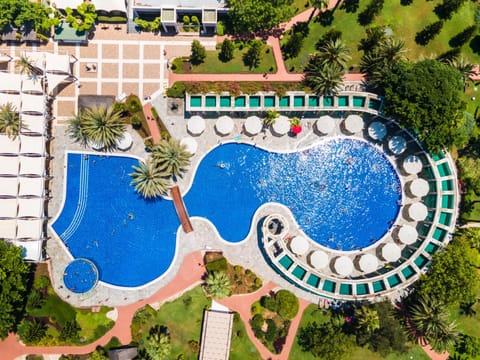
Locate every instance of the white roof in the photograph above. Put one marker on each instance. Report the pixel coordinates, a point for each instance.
(8, 208)
(32, 144)
(368, 263)
(33, 103)
(30, 165)
(32, 207)
(417, 211)
(397, 144)
(33, 123)
(14, 99)
(253, 125)
(110, 5)
(325, 124)
(196, 125)
(377, 130)
(318, 259)
(5, 58)
(224, 125)
(53, 80)
(10, 82)
(9, 145)
(31, 84)
(31, 186)
(8, 229)
(353, 123)
(343, 266)
(32, 250)
(299, 245)
(8, 186)
(407, 234)
(57, 63)
(419, 187)
(9, 165)
(216, 335)
(125, 142)
(391, 252)
(281, 126)
(412, 164)
(30, 229)
(36, 58)
(190, 143)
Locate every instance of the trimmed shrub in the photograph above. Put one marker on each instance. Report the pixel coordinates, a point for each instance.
(217, 265)
(133, 104)
(177, 90)
(256, 308)
(268, 303)
(186, 20)
(287, 304)
(220, 29)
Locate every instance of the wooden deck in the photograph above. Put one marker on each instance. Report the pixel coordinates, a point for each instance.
(180, 208)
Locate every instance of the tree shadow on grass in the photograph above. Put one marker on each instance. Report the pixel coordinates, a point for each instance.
(475, 44)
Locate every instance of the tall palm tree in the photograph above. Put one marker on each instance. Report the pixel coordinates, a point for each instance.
(334, 52)
(172, 157)
(157, 346)
(103, 126)
(149, 180)
(392, 50)
(10, 122)
(367, 319)
(323, 78)
(465, 68)
(75, 131)
(217, 284)
(318, 5)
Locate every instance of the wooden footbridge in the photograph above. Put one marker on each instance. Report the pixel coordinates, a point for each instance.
(180, 209)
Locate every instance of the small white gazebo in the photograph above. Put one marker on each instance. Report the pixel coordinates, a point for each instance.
(125, 142)
(397, 144)
(407, 234)
(368, 263)
(224, 125)
(318, 259)
(299, 245)
(253, 125)
(419, 187)
(343, 266)
(353, 124)
(417, 211)
(377, 130)
(391, 252)
(190, 143)
(196, 125)
(281, 126)
(325, 124)
(412, 164)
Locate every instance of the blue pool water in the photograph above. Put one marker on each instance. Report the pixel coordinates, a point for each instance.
(343, 193)
(80, 276)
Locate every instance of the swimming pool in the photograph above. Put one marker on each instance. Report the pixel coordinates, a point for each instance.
(343, 193)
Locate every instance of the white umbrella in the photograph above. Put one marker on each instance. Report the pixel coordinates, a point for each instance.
(412, 164)
(318, 259)
(353, 124)
(417, 211)
(253, 125)
(391, 252)
(299, 245)
(281, 126)
(190, 143)
(325, 124)
(407, 234)
(368, 263)
(419, 187)
(397, 144)
(224, 125)
(196, 125)
(125, 142)
(377, 130)
(343, 266)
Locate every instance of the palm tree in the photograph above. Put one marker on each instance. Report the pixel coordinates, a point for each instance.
(103, 126)
(25, 66)
(391, 50)
(217, 284)
(149, 180)
(323, 78)
(157, 345)
(270, 118)
(465, 68)
(172, 157)
(318, 5)
(10, 122)
(334, 52)
(75, 130)
(367, 319)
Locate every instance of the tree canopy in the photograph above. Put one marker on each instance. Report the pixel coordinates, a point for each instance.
(14, 273)
(18, 13)
(426, 97)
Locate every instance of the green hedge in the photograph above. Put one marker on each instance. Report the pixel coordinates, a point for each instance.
(112, 19)
(217, 265)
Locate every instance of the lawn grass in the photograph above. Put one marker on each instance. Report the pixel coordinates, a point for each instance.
(56, 309)
(94, 325)
(241, 347)
(213, 65)
(404, 21)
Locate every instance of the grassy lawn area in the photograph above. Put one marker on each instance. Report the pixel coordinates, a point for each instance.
(213, 65)
(404, 21)
(183, 318)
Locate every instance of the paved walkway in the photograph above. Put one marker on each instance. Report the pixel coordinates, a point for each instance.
(152, 124)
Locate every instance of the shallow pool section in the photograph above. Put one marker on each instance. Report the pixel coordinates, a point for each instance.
(80, 276)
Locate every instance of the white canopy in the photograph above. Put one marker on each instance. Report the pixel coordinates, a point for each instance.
(377, 130)
(353, 123)
(8, 186)
(31, 186)
(9, 145)
(417, 211)
(391, 252)
(32, 144)
(397, 144)
(224, 125)
(32, 165)
(368, 263)
(31, 84)
(8, 208)
(343, 266)
(57, 63)
(299, 245)
(110, 5)
(36, 58)
(419, 187)
(33, 104)
(13, 99)
(9, 165)
(196, 125)
(281, 126)
(33, 123)
(325, 124)
(190, 143)
(407, 234)
(10, 82)
(32, 250)
(318, 259)
(253, 125)
(125, 142)
(30, 229)
(8, 229)
(94, 146)
(5, 58)
(53, 80)
(412, 164)
(30, 207)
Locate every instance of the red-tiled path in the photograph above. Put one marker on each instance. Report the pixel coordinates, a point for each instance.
(152, 124)
(180, 209)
